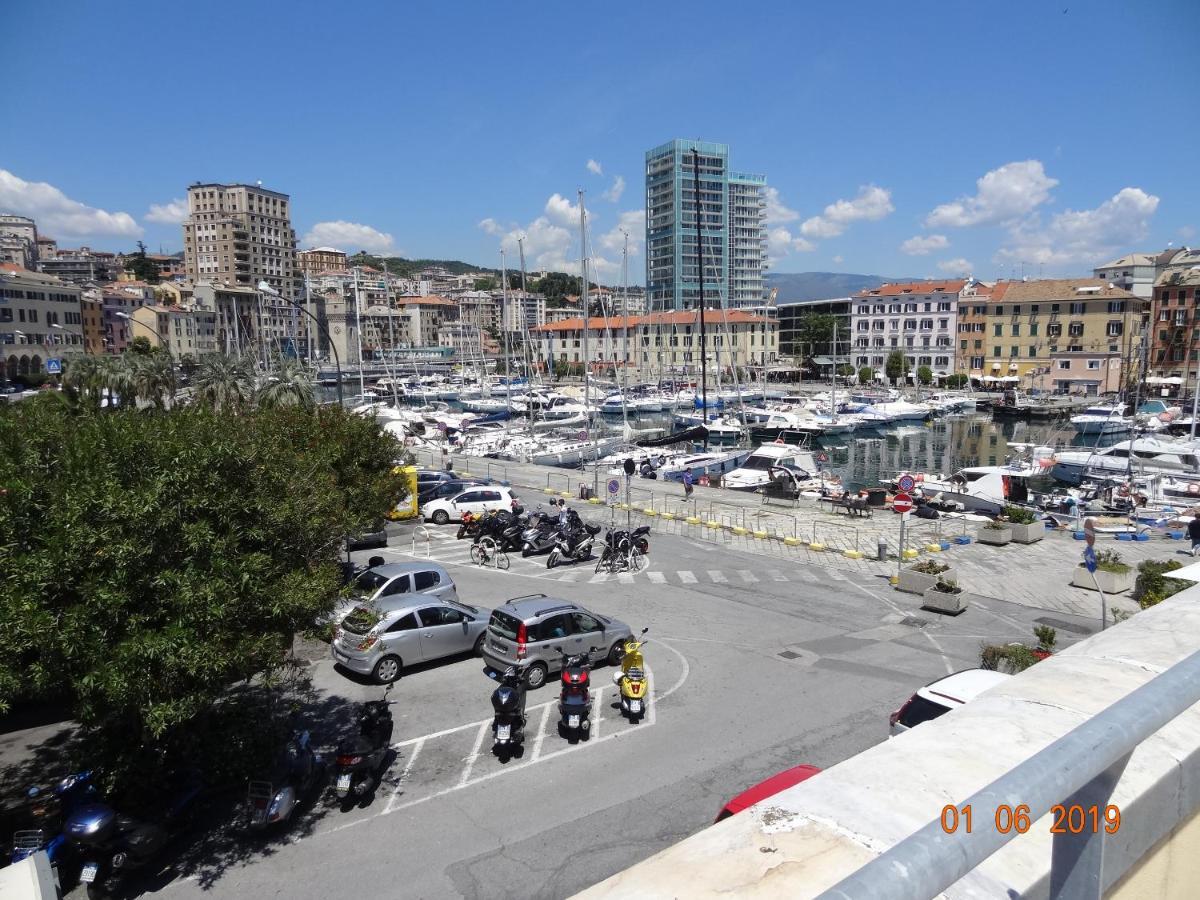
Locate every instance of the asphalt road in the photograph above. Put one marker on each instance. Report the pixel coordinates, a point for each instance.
(757, 664)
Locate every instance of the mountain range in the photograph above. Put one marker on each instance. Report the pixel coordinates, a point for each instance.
(824, 285)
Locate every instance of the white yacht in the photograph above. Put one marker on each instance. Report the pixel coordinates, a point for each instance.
(1102, 419)
(899, 411)
(985, 489)
(1143, 455)
(756, 470)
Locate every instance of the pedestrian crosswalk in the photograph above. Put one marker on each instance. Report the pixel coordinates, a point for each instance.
(440, 545)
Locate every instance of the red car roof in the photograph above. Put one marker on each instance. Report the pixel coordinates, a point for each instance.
(769, 788)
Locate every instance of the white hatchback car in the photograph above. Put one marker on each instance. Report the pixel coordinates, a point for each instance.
(939, 697)
(474, 500)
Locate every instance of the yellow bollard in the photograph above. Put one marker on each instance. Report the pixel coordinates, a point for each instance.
(738, 529)
(852, 554)
(594, 500)
(933, 548)
(649, 512)
(761, 535)
(566, 494)
(693, 520)
(910, 554)
(548, 490)
(819, 548)
(792, 542)
(668, 516)
(711, 524)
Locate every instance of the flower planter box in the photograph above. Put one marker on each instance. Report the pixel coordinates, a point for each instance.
(939, 601)
(997, 537)
(1027, 534)
(918, 582)
(1110, 582)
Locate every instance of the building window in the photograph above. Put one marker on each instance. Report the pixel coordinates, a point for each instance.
(1033, 352)
(1064, 365)
(1075, 329)
(1077, 309)
(1114, 329)
(996, 351)
(999, 310)
(1014, 351)
(962, 345)
(997, 330)
(1016, 330)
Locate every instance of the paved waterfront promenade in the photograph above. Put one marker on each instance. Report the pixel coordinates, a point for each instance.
(808, 533)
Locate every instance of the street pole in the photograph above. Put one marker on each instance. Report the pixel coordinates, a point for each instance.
(333, 347)
(362, 383)
(900, 553)
(700, 260)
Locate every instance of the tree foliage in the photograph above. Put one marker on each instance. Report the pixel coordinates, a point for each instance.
(896, 365)
(811, 335)
(149, 562)
(925, 375)
(957, 380)
(143, 268)
(866, 375)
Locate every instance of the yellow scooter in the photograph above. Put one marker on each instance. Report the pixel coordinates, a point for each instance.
(632, 680)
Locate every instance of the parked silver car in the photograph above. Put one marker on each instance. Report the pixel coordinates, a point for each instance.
(527, 629)
(381, 639)
(395, 580)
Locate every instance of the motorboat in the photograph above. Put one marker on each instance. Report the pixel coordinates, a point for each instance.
(571, 453)
(898, 411)
(1141, 455)
(756, 470)
(711, 464)
(949, 403)
(1102, 419)
(982, 489)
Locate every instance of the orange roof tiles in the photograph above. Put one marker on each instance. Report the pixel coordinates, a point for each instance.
(913, 287)
(1057, 289)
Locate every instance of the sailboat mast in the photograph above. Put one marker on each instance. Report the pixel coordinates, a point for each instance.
(625, 322)
(504, 313)
(390, 357)
(528, 367)
(833, 395)
(362, 382)
(585, 299)
(700, 259)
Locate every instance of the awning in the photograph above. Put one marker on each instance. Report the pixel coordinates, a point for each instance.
(1010, 378)
(1154, 379)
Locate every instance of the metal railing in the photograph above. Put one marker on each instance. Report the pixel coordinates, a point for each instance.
(1079, 769)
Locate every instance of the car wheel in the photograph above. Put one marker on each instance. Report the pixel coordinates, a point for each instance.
(616, 654)
(387, 670)
(478, 651)
(536, 676)
(440, 517)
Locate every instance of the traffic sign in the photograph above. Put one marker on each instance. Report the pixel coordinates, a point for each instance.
(906, 483)
(614, 485)
(54, 367)
(1089, 559)
(902, 503)
(1089, 531)
(583, 435)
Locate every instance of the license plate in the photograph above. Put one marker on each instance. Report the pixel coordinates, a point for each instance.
(635, 706)
(88, 874)
(343, 782)
(573, 722)
(504, 732)
(340, 657)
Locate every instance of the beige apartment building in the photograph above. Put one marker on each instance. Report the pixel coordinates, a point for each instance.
(182, 332)
(239, 235)
(313, 262)
(41, 318)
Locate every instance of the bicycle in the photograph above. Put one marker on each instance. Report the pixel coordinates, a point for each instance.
(488, 553)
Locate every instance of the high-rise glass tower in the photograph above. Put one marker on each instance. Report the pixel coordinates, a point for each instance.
(732, 210)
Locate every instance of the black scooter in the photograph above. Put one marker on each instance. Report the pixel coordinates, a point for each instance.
(360, 759)
(573, 544)
(575, 698)
(540, 534)
(508, 721)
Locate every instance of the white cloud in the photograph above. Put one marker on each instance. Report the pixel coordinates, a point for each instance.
(776, 211)
(349, 236)
(1003, 196)
(552, 241)
(781, 242)
(171, 213)
(839, 259)
(1083, 238)
(923, 245)
(1187, 232)
(59, 215)
(613, 194)
(594, 167)
(958, 266)
(871, 204)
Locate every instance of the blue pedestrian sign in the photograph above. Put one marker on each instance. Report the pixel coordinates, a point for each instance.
(1089, 559)
(54, 367)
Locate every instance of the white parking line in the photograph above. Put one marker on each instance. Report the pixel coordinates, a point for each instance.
(483, 730)
(625, 577)
(597, 713)
(403, 779)
(836, 575)
(776, 575)
(656, 577)
(686, 577)
(541, 733)
(717, 576)
(568, 576)
(808, 576)
(598, 578)
(748, 576)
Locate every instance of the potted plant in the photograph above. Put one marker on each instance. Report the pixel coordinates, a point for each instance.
(996, 533)
(945, 596)
(1047, 637)
(1026, 525)
(919, 578)
(1111, 576)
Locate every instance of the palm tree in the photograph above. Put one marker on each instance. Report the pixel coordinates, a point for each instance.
(117, 377)
(289, 384)
(223, 381)
(154, 379)
(84, 380)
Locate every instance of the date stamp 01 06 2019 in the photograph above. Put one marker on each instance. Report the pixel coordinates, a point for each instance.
(1073, 819)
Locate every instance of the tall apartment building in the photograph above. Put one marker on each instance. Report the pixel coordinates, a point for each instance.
(18, 241)
(918, 318)
(732, 209)
(1174, 351)
(239, 235)
(320, 259)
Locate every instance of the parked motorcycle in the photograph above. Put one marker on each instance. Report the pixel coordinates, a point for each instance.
(575, 699)
(297, 771)
(360, 759)
(633, 681)
(573, 544)
(113, 845)
(47, 810)
(617, 543)
(540, 534)
(469, 526)
(508, 721)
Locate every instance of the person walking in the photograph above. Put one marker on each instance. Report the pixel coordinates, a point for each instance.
(687, 483)
(1194, 534)
(562, 512)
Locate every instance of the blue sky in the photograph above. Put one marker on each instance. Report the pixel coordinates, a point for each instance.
(912, 138)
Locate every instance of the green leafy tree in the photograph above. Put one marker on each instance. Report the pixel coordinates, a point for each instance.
(896, 366)
(845, 371)
(957, 380)
(866, 375)
(485, 284)
(925, 375)
(154, 379)
(143, 268)
(140, 345)
(811, 335)
(149, 563)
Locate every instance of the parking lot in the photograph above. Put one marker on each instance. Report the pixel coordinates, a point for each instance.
(756, 664)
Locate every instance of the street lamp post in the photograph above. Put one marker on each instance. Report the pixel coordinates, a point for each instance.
(268, 289)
